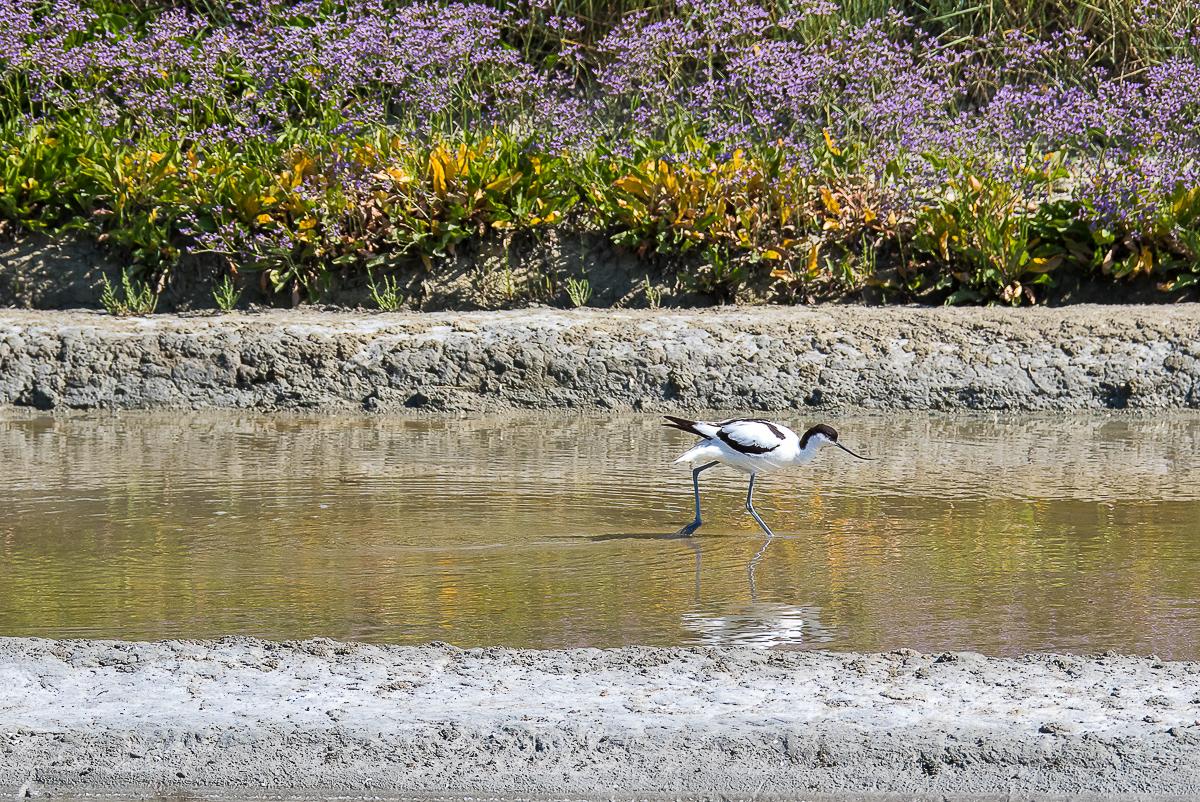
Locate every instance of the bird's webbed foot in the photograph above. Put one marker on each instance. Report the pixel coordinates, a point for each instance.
(689, 529)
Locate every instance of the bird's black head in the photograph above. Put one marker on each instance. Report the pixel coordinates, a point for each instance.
(826, 435)
(821, 428)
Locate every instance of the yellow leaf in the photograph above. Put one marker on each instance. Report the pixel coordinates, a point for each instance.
(263, 219)
(829, 143)
(633, 185)
(869, 216)
(772, 254)
(504, 183)
(1145, 263)
(302, 165)
(1184, 201)
(781, 272)
(248, 204)
(1044, 264)
(831, 204)
(307, 223)
(437, 173)
(670, 182)
(812, 258)
(290, 179)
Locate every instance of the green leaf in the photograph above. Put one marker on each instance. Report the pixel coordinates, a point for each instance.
(964, 295)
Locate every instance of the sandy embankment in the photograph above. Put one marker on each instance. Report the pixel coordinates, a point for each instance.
(763, 358)
(254, 716)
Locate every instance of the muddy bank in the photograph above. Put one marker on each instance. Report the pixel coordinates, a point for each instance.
(256, 715)
(1082, 357)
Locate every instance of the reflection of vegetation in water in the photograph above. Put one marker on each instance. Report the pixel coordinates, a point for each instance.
(1002, 537)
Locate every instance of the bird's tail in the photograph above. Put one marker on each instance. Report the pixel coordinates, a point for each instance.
(682, 424)
(703, 449)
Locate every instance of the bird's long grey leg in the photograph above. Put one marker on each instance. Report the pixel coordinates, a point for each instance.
(750, 508)
(694, 545)
(753, 564)
(694, 525)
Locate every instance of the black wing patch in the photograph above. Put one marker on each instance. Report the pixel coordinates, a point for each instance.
(775, 430)
(752, 447)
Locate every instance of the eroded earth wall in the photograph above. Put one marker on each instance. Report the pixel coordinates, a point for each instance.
(1071, 358)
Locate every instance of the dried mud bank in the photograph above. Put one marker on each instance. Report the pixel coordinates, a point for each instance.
(1070, 358)
(95, 716)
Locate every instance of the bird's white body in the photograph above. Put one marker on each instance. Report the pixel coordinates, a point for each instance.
(750, 445)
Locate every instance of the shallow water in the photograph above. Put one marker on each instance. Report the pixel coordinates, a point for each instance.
(1002, 535)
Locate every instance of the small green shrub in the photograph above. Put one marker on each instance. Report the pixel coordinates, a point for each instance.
(579, 291)
(385, 296)
(227, 294)
(653, 294)
(133, 298)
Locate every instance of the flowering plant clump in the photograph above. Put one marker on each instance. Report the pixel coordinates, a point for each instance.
(800, 146)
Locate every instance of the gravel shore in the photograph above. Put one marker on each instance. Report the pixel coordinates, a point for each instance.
(255, 717)
(761, 358)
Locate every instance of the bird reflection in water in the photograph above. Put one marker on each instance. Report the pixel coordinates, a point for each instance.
(757, 623)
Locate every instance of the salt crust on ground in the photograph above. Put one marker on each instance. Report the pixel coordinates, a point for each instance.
(255, 716)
